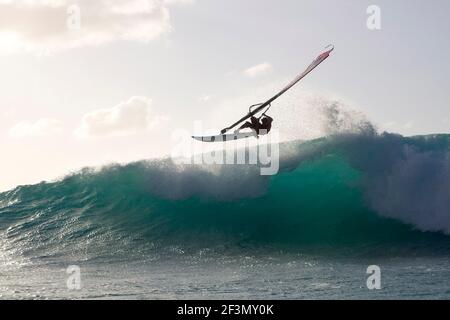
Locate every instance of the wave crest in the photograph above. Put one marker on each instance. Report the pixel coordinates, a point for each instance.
(328, 191)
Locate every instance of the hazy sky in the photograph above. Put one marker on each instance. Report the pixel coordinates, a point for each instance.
(134, 71)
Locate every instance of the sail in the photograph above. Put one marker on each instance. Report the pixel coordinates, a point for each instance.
(310, 68)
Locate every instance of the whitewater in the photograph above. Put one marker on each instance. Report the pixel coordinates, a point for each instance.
(157, 229)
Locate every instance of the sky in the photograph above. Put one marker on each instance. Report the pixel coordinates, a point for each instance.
(86, 83)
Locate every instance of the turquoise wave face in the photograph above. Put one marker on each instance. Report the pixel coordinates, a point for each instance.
(378, 190)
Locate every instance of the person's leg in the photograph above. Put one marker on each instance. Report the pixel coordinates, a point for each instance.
(246, 125)
(255, 122)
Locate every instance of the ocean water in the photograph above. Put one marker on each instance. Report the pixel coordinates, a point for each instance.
(157, 230)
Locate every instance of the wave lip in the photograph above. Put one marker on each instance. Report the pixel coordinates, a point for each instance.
(407, 179)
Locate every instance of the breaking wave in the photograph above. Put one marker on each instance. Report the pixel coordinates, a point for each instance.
(343, 190)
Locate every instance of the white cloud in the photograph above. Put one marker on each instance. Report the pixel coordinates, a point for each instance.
(205, 98)
(258, 70)
(179, 1)
(42, 127)
(43, 25)
(129, 117)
